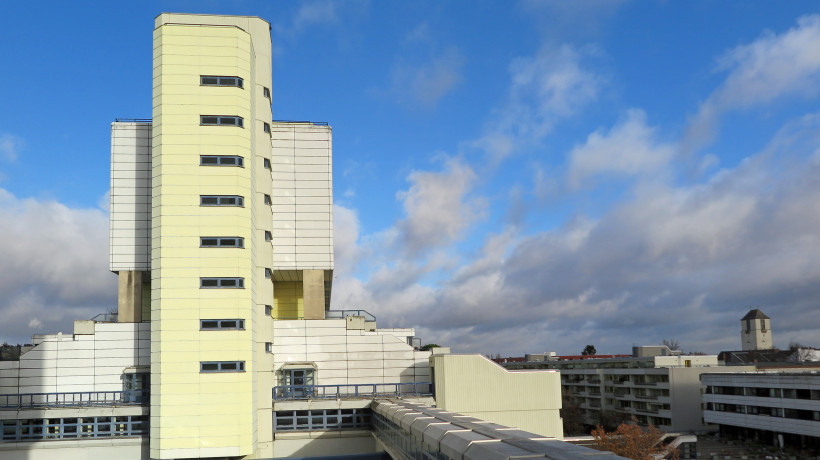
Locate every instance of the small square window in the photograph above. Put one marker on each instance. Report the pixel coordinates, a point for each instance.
(268, 273)
(268, 310)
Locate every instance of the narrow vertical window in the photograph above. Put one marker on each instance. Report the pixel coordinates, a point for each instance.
(268, 200)
(265, 92)
(266, 164)
(268, 236)
(266, 127)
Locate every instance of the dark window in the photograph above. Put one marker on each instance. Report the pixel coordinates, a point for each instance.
(266, 127)
(268, 273)
(268, 236)
(220, 120)
(221, 324)
(215, 80)
(219, 283)
(222, 366)
(221, 242)
(266, 163)
(268, 310)
(220, 160)
(268, 200)
(265, 92)
(268, 347)
(221, 200)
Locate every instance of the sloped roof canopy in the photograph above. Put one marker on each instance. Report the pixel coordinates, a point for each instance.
(755, 314)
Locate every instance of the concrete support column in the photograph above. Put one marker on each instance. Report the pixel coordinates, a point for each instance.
(129, 300)
(313, 292)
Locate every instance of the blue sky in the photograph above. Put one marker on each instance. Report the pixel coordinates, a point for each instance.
(509, 177)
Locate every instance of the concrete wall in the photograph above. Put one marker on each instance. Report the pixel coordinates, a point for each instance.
(68, 363)
(345, 356)
(324, 444)
(473, 385)
(84, 449)
(130, 211)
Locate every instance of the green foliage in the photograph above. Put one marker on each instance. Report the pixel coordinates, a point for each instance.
(589, 350)
(429, 346)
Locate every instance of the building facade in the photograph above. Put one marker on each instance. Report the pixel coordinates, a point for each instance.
(653, 386)
(772, 408)
(221, 235)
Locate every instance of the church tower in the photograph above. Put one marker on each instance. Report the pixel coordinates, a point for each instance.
(756, 331)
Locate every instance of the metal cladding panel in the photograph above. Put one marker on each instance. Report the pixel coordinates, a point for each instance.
(130, 197)
(399, 414)
(495, 451)
(455, 443)
(420, 424)
(407, 420)
(435, 432)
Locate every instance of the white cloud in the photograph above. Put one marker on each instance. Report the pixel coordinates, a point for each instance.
(770, 68)
(629, 148)
(683, 261)
(10, 146)
(437, 206)
(425, 84)
(310, 13)
(545, 88)
(54, 265)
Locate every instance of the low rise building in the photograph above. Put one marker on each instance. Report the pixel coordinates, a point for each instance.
(654, 386)
(774, 408)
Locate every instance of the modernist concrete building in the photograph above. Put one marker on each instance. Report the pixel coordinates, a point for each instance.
(774, 408)
(225, 345)
(654, 386)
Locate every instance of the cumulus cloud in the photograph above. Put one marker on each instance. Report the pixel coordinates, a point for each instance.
(684, 261)
(54, 265)
(629, 148)
(424, 84)
(437, 206)
(772, 67)
(10, 146)
(545, 88)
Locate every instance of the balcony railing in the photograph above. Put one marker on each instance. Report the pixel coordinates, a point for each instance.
(341, 314)
(368, 390)
(76, 399)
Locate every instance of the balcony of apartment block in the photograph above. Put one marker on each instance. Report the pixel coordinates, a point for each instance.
(651, 383)
(352, 391)
(73, 400)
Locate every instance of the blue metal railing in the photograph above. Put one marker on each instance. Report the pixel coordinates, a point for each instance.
(339, 314)
(76, 399)
(366, 390)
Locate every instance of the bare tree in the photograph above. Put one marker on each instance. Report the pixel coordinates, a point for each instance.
(672, 344)
(631, 441)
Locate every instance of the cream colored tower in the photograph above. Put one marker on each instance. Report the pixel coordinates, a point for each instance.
(756, 331)
(211, 262)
